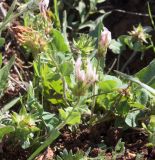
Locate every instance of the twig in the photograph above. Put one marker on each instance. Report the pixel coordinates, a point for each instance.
(129, 60)
(17, 71)
(7, 46)
(150, 15)
(99, 94)
(112, 66)
(18, 82)
(133, 13)
(118, 61)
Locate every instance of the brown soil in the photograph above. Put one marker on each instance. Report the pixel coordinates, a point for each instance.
(84, 138)
(99, 135)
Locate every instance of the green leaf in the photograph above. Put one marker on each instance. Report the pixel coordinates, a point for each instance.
(93, 4)
(119, 149)
(109, 84)
(66, 68)
(126, 40)
(131, 118)
(151, 125)
(57, 86)
(9, 105)
(5, 130)
(47, 116)
(4, 72)
(22, 111)
(142, 96)
(59, 41)
(50, 120)
(91, 24)
(11, 9)
(123, 108)
(116, 46)
(55, 100)
(74, 118)
(26, 144)
(65, 155)
(138, 47)
(2, 41)
(63, 114)
(100, 1)
(137, 105)
(109, 77)
(147, 74)
(96, 33)
(82, 9)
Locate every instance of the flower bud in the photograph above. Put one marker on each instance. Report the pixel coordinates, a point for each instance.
(104, 41)
(105, 37)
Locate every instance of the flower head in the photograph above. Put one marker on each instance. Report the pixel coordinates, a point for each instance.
(91, 75)
(30, 38)
(80, 74)
(139, 33)
(43, 5)
(87, 77)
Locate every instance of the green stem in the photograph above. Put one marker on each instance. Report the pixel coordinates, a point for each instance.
(93, 105)
(56, 8)
(104, 64)
(56, 13)
(94, 93)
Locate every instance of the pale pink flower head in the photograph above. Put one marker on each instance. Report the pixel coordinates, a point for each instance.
(80, 74)
(43, 5)
(87, 77)
(78, 64)
(105, 37)
(91, 75)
